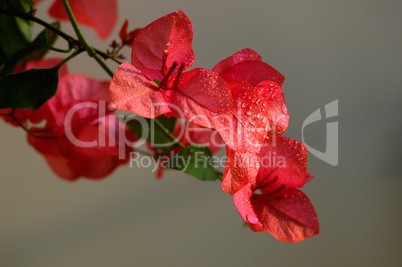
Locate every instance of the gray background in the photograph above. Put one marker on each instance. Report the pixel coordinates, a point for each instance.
(327, 50)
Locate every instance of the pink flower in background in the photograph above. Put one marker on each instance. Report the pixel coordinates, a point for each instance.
(87, 135)
(73, 117)
(101, 15)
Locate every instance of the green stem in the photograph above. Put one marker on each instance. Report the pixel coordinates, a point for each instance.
(76, 52)
(81, 38)
(26, 129)
(219, 173)
(72, 41)
(168, 133)
(39, 21)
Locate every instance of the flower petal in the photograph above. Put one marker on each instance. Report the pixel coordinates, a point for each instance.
(247, 128)
(171, 35)
(285, 158)
(245, 54)
(244, 207)
(130, 90)
(240, 170)
(289, 219)
(278, 113)
(101, 15)
(201, 97)
(253, 72)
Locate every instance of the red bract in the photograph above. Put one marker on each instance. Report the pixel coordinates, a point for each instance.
(278, 116)
(246, 130)
(162, 51)
(202, 97)
(270, 202)
(240, 170)
(246, 65)
(88, 136)
(101, 15)
(80, 136)
(162, 43)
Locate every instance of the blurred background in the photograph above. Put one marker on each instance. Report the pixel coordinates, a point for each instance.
(348, 51)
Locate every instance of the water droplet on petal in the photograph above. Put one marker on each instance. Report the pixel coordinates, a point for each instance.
(252, 219)
(112, 106)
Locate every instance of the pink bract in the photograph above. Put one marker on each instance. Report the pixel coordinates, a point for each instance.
(161, 43)
(246, 65)
(162, 51)
(86, 101)
(101, 15)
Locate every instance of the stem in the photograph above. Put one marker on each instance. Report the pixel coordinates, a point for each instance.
(76, 52)
(144, 153)
(26, 129)
(105, 56)
(81, 38)
(25, 16)
(168, 133)
(219, 173)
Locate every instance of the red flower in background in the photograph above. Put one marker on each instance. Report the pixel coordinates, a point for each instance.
(77, 140)
(101, 15)
(271, 202)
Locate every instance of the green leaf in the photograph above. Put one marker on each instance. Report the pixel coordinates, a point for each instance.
(15, 33)
(196, 161)
(148, 130)
(35, 50)
(28, 89)
(42, 43)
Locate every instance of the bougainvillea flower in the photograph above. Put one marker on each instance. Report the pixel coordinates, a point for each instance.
(246, 65)
(101, 15)
(70, 161)
(162, 51)
(78, 113)
(271, 202)
(83, 137)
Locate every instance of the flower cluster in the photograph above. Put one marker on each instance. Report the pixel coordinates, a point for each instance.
(241, 98)
(239, 103)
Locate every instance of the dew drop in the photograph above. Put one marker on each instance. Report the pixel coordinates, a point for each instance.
(252, 219)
